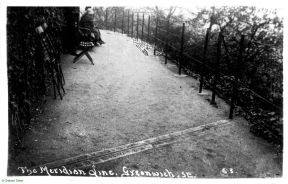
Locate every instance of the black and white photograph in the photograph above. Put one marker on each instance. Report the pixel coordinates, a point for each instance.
(161, 91)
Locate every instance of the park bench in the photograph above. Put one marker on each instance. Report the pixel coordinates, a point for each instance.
(51, 56)
(85, 44)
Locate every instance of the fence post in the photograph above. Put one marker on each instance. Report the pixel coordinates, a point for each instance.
(115, 21)
(204, 59)
(123, 21)
(128, 22)
(132, 24)
(181, 49)
(216, 74)
(148, 39)
(142, 26)
(166, 43)
(137, 24)
(106, 19)
(155, 36)
(236, 77)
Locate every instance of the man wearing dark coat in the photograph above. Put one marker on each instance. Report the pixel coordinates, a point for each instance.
(86, 21)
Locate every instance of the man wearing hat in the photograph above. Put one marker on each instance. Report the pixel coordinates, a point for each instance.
(86, 21)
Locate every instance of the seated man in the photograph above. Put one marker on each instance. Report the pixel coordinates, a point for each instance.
(86, 21)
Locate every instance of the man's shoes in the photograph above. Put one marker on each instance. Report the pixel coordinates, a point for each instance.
(95, 43)
(101, 42)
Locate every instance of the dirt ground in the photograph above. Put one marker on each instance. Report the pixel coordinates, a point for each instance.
(127, 97)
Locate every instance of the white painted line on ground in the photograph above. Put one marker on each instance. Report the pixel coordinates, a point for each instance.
(132, 148)
(182, 75)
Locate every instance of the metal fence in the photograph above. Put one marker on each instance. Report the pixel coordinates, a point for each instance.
(171, 45)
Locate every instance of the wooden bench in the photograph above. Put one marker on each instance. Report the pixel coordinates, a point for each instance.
(85, 44)
(51, 56)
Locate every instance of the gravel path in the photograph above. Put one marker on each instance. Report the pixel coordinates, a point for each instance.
(127, 97)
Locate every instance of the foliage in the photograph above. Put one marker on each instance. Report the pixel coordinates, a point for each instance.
(26, 74)
(261, 69)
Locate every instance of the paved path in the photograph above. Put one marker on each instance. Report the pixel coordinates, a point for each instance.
(128, 97)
